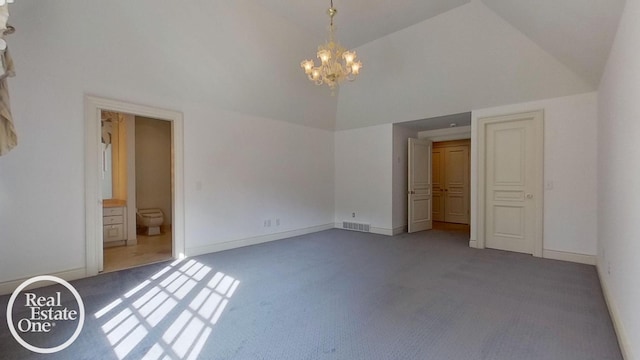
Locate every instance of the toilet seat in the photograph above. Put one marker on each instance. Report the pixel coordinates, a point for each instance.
(151, 219)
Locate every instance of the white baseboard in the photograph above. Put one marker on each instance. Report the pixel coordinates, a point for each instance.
(381, 231)
(228, 245)
(400, 230)
(473, 244)
(568, 256)
(623, 341)
(8, 287)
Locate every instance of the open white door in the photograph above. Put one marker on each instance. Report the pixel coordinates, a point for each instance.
(419, 187)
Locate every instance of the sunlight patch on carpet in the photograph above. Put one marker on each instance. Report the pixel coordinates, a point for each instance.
(174, 310)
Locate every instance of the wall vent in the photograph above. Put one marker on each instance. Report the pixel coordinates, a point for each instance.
(348, 225)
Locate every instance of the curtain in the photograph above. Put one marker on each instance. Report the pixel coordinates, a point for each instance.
(8, 137)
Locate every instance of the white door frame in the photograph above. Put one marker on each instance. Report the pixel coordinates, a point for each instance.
(93, 157)
(538, 118)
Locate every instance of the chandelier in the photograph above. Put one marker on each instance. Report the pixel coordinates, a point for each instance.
(336, 63)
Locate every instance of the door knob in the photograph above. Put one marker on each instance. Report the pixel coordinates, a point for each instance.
(529, 196)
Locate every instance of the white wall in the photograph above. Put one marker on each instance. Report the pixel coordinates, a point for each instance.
(570, 153)
(107, 172)
(363, 176)
(618, 190)
(153, 165)
(400, 160)
(243, 170)
(203, 58)
(467, 58)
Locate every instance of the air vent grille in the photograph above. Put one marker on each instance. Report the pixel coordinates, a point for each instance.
(348, 225)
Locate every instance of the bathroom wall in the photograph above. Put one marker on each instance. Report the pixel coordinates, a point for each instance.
(153, 165)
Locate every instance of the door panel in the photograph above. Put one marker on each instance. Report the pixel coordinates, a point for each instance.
(438, 184)
(419, 197)
(456, 184)
(511, 181)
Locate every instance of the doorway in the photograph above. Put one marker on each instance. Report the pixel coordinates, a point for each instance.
(136, 190)
(104, 217)
(451, 168)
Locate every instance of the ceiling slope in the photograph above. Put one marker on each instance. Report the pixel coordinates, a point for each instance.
(578, 32)
(467, 58)
(231, 55)
(359, 21)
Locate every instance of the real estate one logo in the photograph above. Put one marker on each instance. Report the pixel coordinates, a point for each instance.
(40, 316)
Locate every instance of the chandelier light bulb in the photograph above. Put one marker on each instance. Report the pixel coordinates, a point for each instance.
(348, 57)
(308, 66)
(324, 55)
(355, 68)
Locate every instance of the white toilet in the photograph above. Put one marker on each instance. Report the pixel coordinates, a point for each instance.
(151, 219)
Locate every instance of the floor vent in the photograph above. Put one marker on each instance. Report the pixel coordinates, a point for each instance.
(355, 226)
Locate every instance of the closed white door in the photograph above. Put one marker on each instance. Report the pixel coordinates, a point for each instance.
(419, 186)
(456, 190)
(513, 182)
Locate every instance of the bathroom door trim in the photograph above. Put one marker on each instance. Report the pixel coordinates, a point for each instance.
(93, 156)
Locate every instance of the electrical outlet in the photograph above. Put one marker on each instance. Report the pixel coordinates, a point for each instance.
(353, 214)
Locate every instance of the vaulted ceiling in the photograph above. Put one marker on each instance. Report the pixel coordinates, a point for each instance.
(422, 58)
(579, 33)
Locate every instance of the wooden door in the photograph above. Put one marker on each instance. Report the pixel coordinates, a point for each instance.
(456, 184)
(419, 186)
(513, 182)
(451, 185)
(438, 179)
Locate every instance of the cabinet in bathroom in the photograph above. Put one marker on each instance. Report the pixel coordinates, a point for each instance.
(114, 221)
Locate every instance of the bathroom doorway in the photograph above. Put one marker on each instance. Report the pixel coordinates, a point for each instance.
(134, 172)
(137, 188)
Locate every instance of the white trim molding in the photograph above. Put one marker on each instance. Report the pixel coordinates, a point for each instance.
(93, 154)
(569, 256)
(400, 230)
(447, 134)
(8, 287)
(381, 231)
(621, 334)
(233, 244)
